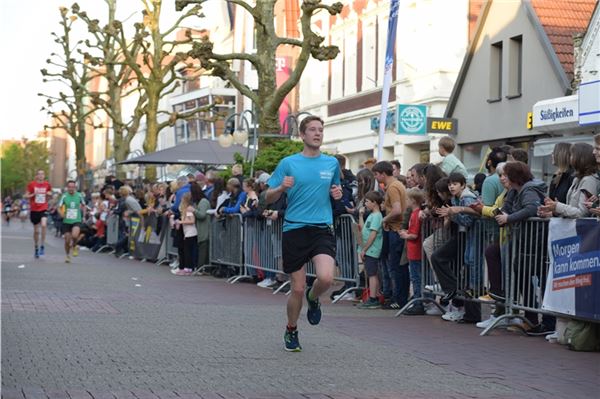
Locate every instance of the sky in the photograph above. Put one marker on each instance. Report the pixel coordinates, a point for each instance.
(26, 42)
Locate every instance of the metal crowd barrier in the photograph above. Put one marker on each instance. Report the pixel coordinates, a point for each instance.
(262, 250)
(112, 233)
(468, 266)
(226, 247)
(525, 267)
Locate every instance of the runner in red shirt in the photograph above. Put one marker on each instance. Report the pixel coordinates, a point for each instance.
(38, 192)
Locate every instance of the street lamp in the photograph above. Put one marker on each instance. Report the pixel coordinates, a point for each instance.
(240, 133)
(291, 125)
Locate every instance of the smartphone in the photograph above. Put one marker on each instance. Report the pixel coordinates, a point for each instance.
(497, 211)
(586, 193)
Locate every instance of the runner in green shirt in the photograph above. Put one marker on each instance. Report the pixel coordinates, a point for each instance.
(70, 208)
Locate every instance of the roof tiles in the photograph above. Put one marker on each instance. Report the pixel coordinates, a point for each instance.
(561, 19)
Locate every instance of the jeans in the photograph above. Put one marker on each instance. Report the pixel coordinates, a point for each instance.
(399, 275)
(190, 253)
(415, 277)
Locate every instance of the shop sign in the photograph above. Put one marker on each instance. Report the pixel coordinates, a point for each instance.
(442, 125)
(412, 119)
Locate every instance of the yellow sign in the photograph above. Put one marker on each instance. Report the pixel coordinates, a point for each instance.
(529, 120)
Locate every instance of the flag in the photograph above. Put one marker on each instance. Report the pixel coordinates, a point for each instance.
(387, 74)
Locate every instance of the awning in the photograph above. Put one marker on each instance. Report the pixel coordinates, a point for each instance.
(543, 147)
(199, 152)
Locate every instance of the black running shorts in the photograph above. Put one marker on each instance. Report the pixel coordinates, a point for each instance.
(301, 245)
(36, 216)
(68, 227)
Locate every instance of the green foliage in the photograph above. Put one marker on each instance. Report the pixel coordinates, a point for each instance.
(268, 157)
(19, 164)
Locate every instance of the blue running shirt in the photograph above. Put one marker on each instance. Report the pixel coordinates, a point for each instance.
(309, 201)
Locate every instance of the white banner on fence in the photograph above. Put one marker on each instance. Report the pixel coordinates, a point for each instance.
(573, 284)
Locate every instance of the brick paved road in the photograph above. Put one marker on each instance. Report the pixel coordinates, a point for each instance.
(107, 328)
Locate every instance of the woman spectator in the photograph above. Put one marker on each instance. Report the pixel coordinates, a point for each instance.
(236, 198)
(250, 206)
(563, 177)
(592, 203)
(527, 196)
(584, 186)
(201, 207)
(218, 195)
(366, 182)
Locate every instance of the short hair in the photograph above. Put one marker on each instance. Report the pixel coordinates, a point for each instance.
(370, 160)
(583, 159)
(125, 190)
(234, 182)
(374, 196)
(396, 163)
(447, 143)
(500, 168)
(71, 181)
(496, 156)
(384, 167)
(520, 155)
(597, 139)
(191, 176)
(457, 178)
(182, 180)
(341, 160)
(307, 120)
(518, 172)
(416, 195)
(237, 167)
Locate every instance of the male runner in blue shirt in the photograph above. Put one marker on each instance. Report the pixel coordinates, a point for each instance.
(309, 178)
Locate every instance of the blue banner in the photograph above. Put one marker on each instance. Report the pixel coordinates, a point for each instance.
(387, 77)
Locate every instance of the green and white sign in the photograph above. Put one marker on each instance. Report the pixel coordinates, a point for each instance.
(412, 119)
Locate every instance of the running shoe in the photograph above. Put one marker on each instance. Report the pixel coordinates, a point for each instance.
(371, 303)
(455, 314)
(68, 259)
(37, 253)
(540, 330)
(41, 250)
(76, 250)
(314, 310)
(291, 342)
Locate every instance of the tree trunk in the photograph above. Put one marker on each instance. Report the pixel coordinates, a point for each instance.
(151, 134)
(121, 150)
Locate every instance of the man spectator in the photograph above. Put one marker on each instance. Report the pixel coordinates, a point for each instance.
(492, 187)
(417, 175)
(395, 205)
(518, 154)
(183, 186)
(209, 186)
(237, 171)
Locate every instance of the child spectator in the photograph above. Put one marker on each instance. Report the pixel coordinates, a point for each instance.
(371, 244)
(450, 164)
(412, 236)
(461, 214)
(190, 236)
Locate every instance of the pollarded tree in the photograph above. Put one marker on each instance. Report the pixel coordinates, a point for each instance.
(269, 97)
(68, 108)
(105, 59)
(155, 66)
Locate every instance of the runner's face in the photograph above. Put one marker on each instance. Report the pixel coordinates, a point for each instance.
(313, 135)
(71, 188)
(40, 175)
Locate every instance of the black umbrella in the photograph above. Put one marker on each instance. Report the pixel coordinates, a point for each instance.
(199, 152)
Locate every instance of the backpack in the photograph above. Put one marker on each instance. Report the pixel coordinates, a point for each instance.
(583, 336)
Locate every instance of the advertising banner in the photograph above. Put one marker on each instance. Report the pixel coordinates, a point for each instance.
(573, 285)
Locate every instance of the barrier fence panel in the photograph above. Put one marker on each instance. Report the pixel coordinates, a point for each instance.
(345, 230)
(262, 246)
(226, 246)
(467, 267)
(112, 233)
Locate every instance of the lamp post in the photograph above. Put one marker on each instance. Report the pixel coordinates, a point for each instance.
(291, 122)
(240, 134)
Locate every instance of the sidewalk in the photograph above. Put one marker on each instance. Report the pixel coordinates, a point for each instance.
(108, 328)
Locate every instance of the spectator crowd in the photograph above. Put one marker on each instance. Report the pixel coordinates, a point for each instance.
(389, 209)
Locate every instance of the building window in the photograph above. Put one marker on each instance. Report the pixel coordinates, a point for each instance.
(515, 67)
(495, 72)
